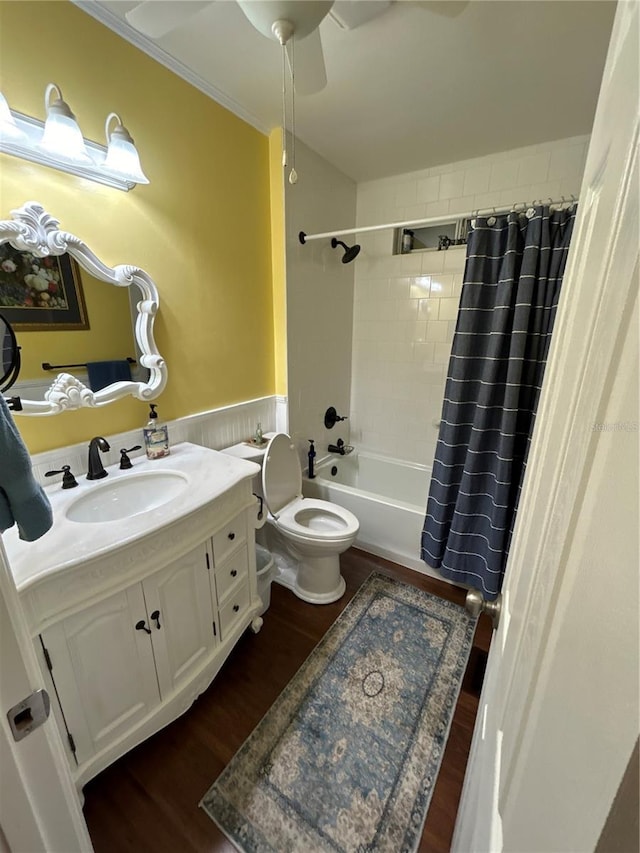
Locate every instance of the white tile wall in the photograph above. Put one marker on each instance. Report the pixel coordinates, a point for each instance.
(319, 301)
(405, 306)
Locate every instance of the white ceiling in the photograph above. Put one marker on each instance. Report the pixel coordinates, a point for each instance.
(411, 88)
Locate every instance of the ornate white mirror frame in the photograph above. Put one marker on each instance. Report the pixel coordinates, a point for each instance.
(34, 230)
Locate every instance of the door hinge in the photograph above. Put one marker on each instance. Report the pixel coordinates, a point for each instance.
(72, 743)
(208, 564)
(215, 633)
(47, 658)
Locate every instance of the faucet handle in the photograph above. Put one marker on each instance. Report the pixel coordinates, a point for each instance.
(68, 480)
(125, 462)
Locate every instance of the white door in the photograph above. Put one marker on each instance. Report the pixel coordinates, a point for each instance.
(103, 669)
(558, 716)
(39, 806)
(178, 601)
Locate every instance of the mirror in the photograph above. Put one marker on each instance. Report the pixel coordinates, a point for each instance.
(72, 317)
(9, 356)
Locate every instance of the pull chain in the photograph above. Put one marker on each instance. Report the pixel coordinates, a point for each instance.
(293, 175)
(284, 106)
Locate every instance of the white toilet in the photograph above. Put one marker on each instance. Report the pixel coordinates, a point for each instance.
(306, 535)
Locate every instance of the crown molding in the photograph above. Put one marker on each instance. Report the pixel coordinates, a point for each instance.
(121, 28)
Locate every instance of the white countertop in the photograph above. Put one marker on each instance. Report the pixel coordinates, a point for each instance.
(210, 473)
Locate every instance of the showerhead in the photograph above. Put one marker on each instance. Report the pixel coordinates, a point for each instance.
(349, 252)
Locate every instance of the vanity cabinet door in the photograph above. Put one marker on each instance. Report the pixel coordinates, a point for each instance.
(103, 670)
(181, 618)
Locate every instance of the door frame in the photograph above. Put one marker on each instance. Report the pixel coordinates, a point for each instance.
(591, 324)
(40, 808)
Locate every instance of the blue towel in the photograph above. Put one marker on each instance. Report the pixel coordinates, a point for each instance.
(103, 373)
(22, 500)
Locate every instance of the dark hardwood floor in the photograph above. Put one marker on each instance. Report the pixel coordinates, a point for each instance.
(148, 799)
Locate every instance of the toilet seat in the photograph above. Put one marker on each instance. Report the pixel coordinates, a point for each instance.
(306, 518)
(318, 519)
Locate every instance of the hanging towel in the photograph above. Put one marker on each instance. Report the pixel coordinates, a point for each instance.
(22, 500)
(103, 373)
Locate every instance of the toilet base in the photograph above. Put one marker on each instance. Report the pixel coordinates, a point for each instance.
(316, 580)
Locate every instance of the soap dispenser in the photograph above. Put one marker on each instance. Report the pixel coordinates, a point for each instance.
(311, 456)
(156, 436)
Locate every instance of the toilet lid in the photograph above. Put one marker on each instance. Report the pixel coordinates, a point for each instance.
(281, 473)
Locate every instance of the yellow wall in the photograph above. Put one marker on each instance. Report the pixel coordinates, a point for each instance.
(278, 262)
(201, 228)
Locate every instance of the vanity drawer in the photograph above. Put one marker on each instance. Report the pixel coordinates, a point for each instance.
(227, 540)
(233, 571)
(234, 609)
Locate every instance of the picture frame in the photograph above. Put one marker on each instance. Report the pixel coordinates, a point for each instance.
(41, 294)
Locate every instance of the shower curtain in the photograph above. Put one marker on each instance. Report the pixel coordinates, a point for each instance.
(511, 287)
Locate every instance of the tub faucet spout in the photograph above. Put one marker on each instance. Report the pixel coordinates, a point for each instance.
(340, 447)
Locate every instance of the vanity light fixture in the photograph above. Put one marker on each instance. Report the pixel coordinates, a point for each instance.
(122, 156)
(59, 144)
(9, 130)
(61, 136)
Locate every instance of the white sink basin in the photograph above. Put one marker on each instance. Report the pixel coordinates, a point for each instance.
(127, 496)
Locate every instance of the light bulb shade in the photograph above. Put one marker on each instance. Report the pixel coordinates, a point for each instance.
(9, 131)
(122, 156)
(62, 137)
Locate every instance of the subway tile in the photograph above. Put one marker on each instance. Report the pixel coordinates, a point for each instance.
(534, 169)
(428, 309)
(566, 162)
(437, 331)
(413, 212)
(441, 285)
(432, 262)
(429, 189)
(423, 352)
(407, 309)
(454, 259)
(403, 351)
(442, 351)
(399, 287)
(451, 184)
(476, 180)
(448, 309)
(419, 286)
(411, 264)
(417, 331)
(437, 208)
(504, 175)
(405, 193)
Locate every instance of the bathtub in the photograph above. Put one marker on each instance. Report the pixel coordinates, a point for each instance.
(389, 498)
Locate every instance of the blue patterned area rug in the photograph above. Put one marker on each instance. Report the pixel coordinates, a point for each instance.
(347, 757)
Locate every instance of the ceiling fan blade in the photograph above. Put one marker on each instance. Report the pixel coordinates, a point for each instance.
(310, 71)
(349, 14)
(156, 18)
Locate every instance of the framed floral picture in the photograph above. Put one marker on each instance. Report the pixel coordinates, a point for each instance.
(40, 294)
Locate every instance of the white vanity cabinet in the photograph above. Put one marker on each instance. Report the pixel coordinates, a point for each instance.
(104, 671)
(115, 661)
(129, 635)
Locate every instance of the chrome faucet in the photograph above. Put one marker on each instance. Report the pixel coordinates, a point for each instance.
(95, 468)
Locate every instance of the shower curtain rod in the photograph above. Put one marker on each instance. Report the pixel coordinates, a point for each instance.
(434, 220)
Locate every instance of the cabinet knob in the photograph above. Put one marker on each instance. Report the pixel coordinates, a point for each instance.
(140, 626)
(236, 607)
(156, 615)
(232, 536)
(233, 573)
